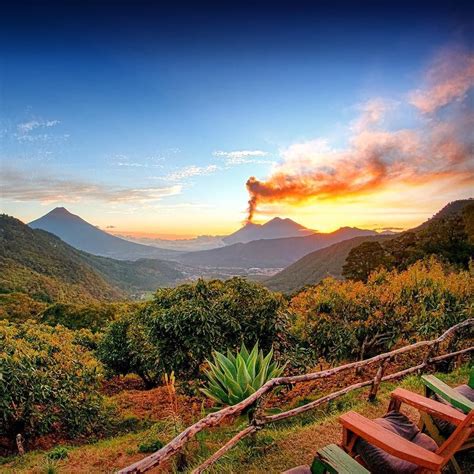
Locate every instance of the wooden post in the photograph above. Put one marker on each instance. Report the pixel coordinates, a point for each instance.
(377, 379)
(19, 444)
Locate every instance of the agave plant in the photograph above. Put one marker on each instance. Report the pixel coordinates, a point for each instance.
(234, 378)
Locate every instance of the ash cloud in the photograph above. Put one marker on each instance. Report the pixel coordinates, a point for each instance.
(439, 148)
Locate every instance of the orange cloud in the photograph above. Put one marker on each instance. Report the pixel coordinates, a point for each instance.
(377, 159)
(449, 79)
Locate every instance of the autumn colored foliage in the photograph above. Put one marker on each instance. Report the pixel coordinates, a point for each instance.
(351, 319)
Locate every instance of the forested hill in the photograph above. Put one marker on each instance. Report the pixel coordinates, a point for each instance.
(37, 263)
(317, 265)
(449, 234)
(43, 266)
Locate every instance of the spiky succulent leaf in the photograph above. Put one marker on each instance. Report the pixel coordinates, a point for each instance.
(233, 378)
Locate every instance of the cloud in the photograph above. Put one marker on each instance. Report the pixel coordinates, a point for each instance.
(240, 157)
(377, 159)
(35, 131)
(447, 80)
(372, 113)
(27, 127)
(190, 171)
(19, 186)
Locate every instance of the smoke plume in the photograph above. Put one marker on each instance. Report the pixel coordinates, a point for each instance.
(439, 147)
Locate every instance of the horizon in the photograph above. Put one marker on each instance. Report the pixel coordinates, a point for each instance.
(159, 121)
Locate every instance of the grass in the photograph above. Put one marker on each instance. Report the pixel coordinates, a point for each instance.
(278, 446)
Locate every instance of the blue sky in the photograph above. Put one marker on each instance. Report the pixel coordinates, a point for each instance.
(151, 119)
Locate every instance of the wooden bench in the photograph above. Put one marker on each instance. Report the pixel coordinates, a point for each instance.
(333, 459)
(438, 387)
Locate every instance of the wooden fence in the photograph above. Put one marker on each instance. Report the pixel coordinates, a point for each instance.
(259, 420)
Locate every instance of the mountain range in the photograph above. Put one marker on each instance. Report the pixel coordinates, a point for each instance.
(273, 229)
(40, 264)
(269, 253)
(84, 236)
(449, 234)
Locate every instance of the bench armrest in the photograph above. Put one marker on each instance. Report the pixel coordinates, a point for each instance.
(428, 405)
(390, 442)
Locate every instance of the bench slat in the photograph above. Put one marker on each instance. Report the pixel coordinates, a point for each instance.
(447, 393)
(337, 461)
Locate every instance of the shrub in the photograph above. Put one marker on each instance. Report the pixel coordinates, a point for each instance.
(47, 382)
(234, 378)
(151, 446)
(125, 348)
(180, 327)
(348, 319)
(93, 316)
(60, 452)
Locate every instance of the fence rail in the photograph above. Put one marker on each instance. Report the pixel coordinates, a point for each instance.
(259, 420)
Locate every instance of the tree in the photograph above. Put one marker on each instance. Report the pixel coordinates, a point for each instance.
(48, 383)
(178, 330)
(364, 259)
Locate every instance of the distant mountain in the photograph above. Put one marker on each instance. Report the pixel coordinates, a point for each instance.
(269, 253)
(84, 236)
(201, 242)
(315, 266)
(273, 229)
(449, 234)
(37, 263)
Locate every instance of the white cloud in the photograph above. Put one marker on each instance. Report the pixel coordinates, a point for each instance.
(19, 186)
(190, 171)
(239, 157)
(27, 127)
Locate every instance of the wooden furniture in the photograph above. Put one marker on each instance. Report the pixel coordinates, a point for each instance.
(440, 428)
(357, 427)
(333, 459)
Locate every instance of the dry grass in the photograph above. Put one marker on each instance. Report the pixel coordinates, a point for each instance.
(279, 447)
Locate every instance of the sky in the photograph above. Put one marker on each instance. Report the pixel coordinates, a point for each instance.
(147, 118)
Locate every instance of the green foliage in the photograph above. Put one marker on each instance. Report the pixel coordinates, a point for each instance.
(45, 268)
(93, 316)
(180, 327)
(47, 383)
(125, 348)
(350, 319)
(60, 452)
(151, 446)
(450, 237)
(234, 378)
(365, 259)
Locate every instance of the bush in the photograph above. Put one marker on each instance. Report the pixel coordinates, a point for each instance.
(347, 319)
(150, 447)
(181, 327)
(47, 382)
(93, 316)
(60, 452)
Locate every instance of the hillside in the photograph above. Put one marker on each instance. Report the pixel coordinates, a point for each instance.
(274, 229)
(269, 253)
(41, 265)
(84, 236)
(449, 234)
(317, 265)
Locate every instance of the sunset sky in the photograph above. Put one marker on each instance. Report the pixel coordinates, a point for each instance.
(151, 119)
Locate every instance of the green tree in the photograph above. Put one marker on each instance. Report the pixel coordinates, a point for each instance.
(48, 383)
(364, 259)
(180, 327)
